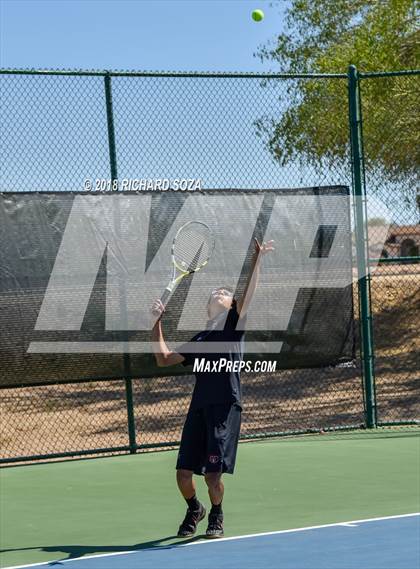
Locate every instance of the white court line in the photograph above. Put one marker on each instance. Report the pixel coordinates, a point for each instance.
(351, 523)
(53, 561)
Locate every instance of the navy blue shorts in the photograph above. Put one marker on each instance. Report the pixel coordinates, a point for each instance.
(210, 439)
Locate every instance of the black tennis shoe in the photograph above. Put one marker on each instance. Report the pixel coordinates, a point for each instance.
(215, 527)
(191, 520)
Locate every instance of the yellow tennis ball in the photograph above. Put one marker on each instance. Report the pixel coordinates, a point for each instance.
(257, 15)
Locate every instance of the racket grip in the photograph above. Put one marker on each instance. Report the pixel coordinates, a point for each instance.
(165, 296)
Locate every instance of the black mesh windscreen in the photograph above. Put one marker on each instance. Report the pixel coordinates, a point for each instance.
(79, 272)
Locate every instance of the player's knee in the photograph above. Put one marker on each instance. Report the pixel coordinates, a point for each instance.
(184, 475)
(213, 479)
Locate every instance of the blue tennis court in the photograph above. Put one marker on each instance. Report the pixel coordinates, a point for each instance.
(379, 543)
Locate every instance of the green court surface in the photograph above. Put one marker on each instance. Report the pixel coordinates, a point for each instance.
(86, 507)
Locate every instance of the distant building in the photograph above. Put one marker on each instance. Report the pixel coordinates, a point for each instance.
(401, 241)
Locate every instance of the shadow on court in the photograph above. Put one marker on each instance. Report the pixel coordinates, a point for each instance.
(77, 551)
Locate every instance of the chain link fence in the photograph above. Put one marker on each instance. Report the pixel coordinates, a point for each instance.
(224, 130)
(391, 142)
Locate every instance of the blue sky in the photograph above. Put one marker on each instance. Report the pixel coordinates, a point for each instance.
(144, 35)
(208, 131)
(170, 35)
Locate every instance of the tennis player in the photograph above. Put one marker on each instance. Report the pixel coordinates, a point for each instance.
(211, 431)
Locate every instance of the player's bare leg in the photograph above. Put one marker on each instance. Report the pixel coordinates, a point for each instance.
(215, 487)
(216, 491)
(185, 483)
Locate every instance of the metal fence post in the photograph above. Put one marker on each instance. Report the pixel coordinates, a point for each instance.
(126, 356)
(359, 193)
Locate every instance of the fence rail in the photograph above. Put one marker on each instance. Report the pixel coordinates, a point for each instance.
(62, 126)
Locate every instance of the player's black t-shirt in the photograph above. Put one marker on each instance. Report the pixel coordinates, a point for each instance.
(212, 387)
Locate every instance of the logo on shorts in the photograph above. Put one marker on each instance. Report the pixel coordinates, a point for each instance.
(213, 458)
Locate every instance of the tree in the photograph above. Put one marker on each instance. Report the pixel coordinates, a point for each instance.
(325, 36)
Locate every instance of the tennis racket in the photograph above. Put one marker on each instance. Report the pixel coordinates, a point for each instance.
(192, 247)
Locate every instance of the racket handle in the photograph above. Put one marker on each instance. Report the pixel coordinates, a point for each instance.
(165, 296)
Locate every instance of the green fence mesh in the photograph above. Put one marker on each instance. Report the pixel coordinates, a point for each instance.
(224, 130)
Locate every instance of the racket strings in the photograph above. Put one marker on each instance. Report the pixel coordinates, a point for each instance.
(192, 248)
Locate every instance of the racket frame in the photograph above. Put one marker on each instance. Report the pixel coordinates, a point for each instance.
(175, 280)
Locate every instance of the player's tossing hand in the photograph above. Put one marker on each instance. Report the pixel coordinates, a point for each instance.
(263, 248)
(157, 308)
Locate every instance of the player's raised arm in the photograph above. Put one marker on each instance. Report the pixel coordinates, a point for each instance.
(253, 276)
(164, 356)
